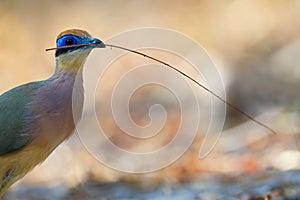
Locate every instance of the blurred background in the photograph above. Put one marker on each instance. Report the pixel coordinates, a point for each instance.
(256, 47)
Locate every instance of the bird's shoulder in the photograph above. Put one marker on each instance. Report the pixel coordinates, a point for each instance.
(13, 112)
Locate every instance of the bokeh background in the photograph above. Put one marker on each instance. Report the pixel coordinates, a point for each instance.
(256, 46)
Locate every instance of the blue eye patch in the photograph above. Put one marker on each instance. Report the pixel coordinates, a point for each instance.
(68, 40)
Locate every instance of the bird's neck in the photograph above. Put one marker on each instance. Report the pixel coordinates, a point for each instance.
(71, 62)
(58, 105)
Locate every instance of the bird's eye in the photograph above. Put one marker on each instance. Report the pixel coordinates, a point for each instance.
(69, 41)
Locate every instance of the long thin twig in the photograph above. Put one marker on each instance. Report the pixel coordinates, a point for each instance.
(230, 105)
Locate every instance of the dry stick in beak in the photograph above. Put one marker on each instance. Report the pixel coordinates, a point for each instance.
(230, 105)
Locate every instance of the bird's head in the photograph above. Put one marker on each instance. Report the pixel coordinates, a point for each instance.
(72, 57)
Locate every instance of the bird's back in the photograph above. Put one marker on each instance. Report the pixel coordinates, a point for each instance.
(13, 112)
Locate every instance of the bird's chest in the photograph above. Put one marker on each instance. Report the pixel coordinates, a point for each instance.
(53, 110)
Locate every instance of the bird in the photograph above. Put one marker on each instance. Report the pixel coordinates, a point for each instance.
(36, 117)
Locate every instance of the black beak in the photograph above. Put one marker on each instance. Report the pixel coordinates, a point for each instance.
(98, 43)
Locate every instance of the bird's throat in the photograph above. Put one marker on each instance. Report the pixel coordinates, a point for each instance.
(71, 61)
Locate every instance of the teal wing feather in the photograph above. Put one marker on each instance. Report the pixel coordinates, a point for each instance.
(13, 112)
